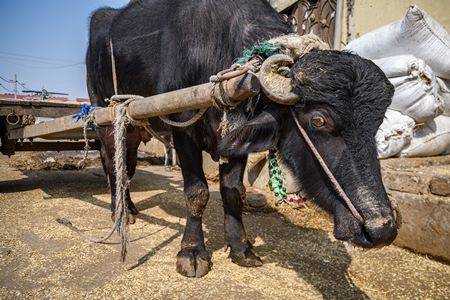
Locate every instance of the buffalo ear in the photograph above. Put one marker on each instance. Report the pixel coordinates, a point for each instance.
(257, 135)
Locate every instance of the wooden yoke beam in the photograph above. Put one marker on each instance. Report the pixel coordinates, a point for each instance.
(196, 97)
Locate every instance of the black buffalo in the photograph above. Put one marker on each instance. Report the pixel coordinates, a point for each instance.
(164, 45)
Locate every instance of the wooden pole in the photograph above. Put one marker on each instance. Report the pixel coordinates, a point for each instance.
(196, 97)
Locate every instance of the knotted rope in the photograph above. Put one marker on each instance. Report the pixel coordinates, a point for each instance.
(88, 117)
(219, 96)
(121, 122)
(118, 99)
(28, 120)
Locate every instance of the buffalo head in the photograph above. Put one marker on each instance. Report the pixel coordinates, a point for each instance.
(339, 99)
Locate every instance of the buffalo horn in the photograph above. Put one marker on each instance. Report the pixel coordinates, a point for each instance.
(275, 86)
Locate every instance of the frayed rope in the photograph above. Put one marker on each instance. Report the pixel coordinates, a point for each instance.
(86, 110)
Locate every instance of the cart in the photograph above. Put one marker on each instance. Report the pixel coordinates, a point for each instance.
(18, 131)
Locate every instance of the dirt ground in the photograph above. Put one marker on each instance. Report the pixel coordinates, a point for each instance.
(42, 259)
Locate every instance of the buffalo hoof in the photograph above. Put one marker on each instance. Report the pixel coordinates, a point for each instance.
(246, 259)
(132, 208)
(131, 218)
(193, 262)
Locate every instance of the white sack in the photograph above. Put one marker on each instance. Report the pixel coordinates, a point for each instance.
(401, 65)
(416, 91)
(394, 133)
(444, 93)
(417, 34)
(429, 139)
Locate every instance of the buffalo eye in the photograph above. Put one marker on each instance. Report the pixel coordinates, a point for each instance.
(317, 121)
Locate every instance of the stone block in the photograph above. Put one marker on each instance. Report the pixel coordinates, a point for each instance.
(440, 185)
(426, 224)
(411, 182)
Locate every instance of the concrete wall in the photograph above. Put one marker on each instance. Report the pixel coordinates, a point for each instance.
(372, 14)
(422, 189)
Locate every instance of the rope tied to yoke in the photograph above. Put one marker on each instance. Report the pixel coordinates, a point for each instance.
(88, 116)
(122, 120)
(120, 123)
(127, 99)
(292, 44)
(219, 96)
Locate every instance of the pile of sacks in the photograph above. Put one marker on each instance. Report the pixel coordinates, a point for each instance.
(414, 53)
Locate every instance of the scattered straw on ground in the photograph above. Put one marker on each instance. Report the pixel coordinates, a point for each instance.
(40, 258)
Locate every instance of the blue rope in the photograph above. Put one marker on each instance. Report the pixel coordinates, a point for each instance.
(85, 111)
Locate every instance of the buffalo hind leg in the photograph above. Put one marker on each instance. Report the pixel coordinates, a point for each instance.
(193, 260)
(233, 192)
(107, 153)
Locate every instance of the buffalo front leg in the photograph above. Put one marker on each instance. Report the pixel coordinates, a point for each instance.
(193, 260)
(233, 193)
(107, 152)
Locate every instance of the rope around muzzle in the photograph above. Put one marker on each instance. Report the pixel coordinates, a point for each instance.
(337, 186)
(330, 175)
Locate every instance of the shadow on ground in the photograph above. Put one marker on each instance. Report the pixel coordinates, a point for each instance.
(314, 257)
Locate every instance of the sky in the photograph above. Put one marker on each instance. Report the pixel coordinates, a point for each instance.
(44, 43)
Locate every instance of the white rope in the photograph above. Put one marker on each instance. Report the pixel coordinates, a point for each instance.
(88, 120)
(101, 240)
(122, 180)
(194, 119)
(121, 121)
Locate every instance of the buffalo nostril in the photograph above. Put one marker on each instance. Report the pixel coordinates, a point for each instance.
(382, 235)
